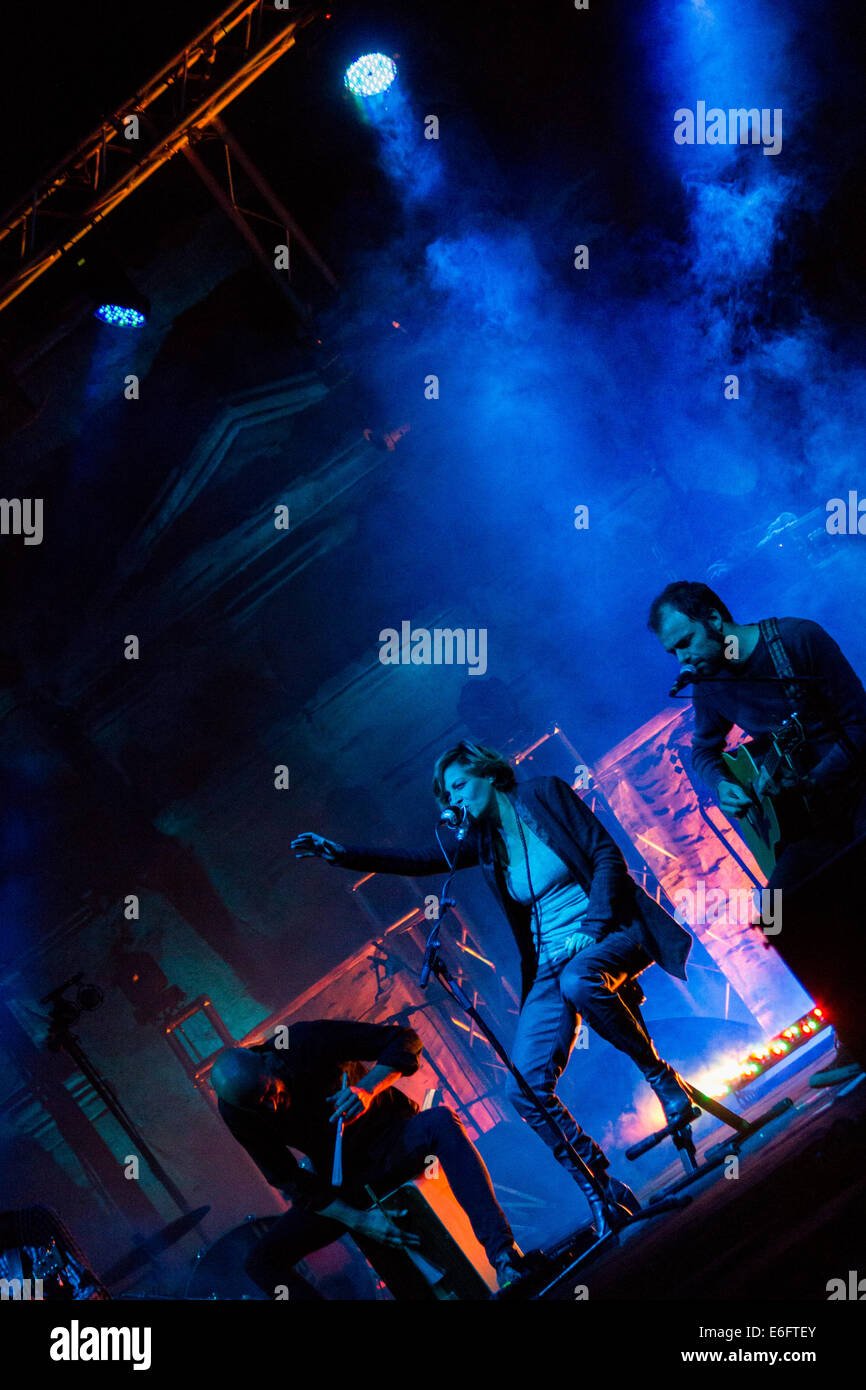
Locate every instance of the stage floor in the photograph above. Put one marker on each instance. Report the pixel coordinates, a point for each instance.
(793, 1218)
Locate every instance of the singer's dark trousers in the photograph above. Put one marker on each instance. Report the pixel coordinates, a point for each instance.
(400, 1153)
(583, 987)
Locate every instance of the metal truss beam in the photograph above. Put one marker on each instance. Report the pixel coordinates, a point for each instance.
(173, 110)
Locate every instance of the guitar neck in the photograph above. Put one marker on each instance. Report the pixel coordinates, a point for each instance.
(772, 762)
(777, 755)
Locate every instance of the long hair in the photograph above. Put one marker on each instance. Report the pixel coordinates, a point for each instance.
(695, 600)
(483, 762)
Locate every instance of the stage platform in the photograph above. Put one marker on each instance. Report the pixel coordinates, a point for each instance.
(791, 1221)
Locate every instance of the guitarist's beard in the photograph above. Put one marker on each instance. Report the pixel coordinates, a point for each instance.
(712, 660)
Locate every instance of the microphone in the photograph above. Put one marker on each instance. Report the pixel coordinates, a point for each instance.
(458, 821)
(685, 677)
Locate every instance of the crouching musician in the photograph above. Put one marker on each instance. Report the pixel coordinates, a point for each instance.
(301, 1096)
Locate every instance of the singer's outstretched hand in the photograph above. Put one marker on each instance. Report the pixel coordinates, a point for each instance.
(307, 844)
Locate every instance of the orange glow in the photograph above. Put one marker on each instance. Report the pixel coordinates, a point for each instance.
(469, 952)
(469, 1028)
(652, 845)
(633, 1125)
(532, 747)
(401, 920)
(730, 1072)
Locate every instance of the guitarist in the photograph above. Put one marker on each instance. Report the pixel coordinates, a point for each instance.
(739, 672)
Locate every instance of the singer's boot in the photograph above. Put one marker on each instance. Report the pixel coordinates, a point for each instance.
(611, 1202)
(674, 1101)
(621, 1194)
(617, 1017)
(617, 1198)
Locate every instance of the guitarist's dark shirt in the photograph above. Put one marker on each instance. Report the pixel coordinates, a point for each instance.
(312, 1067)
(758, 706)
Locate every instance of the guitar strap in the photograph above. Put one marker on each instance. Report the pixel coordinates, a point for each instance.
(801, 698)
(781, 663)
(796, 695)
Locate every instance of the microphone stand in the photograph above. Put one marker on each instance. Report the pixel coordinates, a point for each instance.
(434, 965)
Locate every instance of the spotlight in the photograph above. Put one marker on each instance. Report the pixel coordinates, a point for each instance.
(115, 298)
(121, 316)
(371, 75)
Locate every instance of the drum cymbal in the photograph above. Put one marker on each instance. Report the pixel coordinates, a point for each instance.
(154, 1244)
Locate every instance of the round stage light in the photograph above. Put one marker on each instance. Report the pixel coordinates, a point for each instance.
(118, 316)
(371, 75)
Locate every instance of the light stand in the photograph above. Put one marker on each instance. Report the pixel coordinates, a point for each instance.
(64, 1013)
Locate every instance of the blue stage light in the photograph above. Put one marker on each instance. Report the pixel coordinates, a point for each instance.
(371, 75)
(120, 317)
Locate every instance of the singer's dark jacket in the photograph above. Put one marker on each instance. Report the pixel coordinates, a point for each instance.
(558, 816)
(312, 1065)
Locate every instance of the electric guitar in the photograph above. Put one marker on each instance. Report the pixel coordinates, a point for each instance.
(759, 825)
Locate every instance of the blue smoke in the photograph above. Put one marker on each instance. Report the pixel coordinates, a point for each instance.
(405, 152)
(560, 386)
